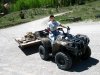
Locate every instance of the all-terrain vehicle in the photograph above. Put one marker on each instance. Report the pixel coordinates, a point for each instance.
(65, 49)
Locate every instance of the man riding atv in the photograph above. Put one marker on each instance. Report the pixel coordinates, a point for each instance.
(60, 45)
(53, 25)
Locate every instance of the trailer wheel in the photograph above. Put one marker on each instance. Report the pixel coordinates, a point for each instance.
(63, 61)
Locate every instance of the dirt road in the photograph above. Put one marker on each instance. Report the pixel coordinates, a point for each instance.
(14, 61)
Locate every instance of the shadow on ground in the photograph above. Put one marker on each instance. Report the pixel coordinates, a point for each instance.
(30, 50)
(80, 65)
(84, 65)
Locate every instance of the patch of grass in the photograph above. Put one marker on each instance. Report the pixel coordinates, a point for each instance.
(13, 18)
(86, 12)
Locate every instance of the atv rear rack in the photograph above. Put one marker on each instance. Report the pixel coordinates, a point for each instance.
(24, 44)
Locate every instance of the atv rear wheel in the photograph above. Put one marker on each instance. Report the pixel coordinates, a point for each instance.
(63, 61)
(44, 52)
(87, 54)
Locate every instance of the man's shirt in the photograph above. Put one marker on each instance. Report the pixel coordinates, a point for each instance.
(53, 25)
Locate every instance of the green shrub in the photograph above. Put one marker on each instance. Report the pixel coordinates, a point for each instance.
(17, 5)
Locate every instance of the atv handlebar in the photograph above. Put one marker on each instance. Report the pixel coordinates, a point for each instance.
(61, 28)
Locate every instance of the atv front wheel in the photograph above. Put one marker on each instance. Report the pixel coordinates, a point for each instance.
(87, 53)
(63, 61)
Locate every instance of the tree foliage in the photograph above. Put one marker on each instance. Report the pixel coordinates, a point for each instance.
(26, 4)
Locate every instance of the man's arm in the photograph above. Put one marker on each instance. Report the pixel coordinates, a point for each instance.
(59, 24)
(68, 28)
(62, 26)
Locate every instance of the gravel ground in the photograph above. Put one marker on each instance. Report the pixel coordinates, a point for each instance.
(14, 61)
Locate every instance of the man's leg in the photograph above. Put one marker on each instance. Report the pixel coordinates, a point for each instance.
(52, 38)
